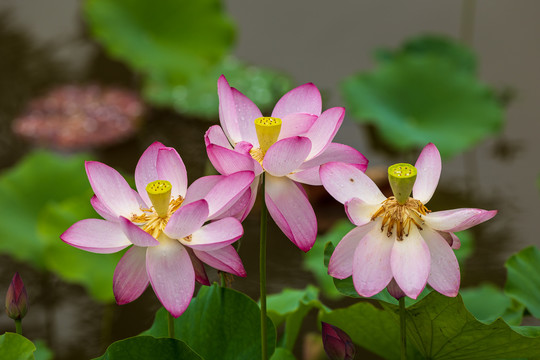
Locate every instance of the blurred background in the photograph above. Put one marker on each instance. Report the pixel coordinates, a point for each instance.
(103, 79)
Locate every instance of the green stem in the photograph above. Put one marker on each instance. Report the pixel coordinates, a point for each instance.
(170, 325)
(262, 269)
(18, 326)
(403, 328)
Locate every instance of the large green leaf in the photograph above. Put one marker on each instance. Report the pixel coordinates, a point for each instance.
(14, 346)
(72, 264)
(487, 303)
(523, 279)
(291, 306)
(148, 347)
(282, 354)
(220, 323)
(438, 327)
(167, 39)
(198, 96)
(39, 179)
(418, 97)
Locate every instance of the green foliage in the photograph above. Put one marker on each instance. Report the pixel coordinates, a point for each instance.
(42, 196)
(315, 258)
(220, 323)
(148, 347)
(282, 354)
(425, 92)
(487, 303)
(169, 40)
(15, 346)
(438, 327)
(42, 351)
(198, 96)
(523, 279)
(290, 307)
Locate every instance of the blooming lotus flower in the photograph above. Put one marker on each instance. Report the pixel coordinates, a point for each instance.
(402, 246)
(16, 298)
(167, 224)
(289, 146)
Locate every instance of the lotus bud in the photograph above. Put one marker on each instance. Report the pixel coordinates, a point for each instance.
(16, 299)
(337, 344)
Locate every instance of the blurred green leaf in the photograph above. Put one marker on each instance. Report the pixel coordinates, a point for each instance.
(291, 306)
(466, 238)
(523, 279)
(38, 180)
(416, 97)
(220, 323)
(314, 260)
(282, 354)
(487, 303)
(148, 347)
(169, 40)
(198, 96)
(42, 351)
(14, 346)
(72, 264)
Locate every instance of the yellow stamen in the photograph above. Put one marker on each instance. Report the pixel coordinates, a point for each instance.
(154, 224)
(403, 216)
(159, 192)
(267, 129)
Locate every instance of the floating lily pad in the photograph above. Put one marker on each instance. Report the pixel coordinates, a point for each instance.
(168, 39)
(416, 97)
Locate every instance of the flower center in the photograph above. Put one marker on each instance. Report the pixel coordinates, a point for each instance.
(267, 129)
(401, 178)
(400, 216)
(154, 220)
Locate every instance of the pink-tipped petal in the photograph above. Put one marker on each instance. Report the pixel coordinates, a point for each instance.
(411, 263)
(112, 189)
(324, 129)
(200, 272)
(146, 170)
(215, 135)
(130, 278)
(309, 176)
(286, 155)
(360, 212)
(289, 207)
(246, 113)
(371, 264)
(303, 99)
(444, 274)
(137, 235)
(458, 219)
(296, 124)
(225, 259)
(227, 111)
(97, 236)
(171, 274)
(201, 187)
(345, 181)
(186, 220)
(456, 243)
(227, 191)
(215, 235)
(428, 166)
(103, 210)
(253, 196)
(228, 161)
(335, 152)
(341, 262)
(170, 167)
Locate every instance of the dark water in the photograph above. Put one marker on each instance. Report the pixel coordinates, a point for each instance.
(46, 45)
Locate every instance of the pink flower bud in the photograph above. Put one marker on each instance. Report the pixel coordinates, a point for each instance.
(337, 344)
(16, 298)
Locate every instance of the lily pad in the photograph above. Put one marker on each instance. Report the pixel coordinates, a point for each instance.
(417, 97)
(523, 279)
(220, 323)
(169, 39)
(15, 346)
(487, 303)
(148, 347)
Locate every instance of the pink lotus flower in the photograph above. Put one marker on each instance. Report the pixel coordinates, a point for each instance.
(290, 146)
(166, 222)
(399, 246)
